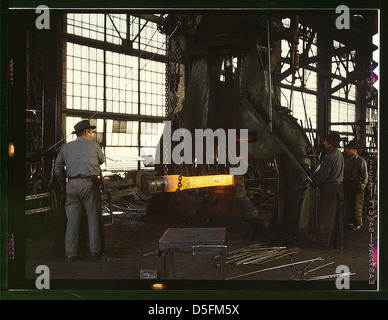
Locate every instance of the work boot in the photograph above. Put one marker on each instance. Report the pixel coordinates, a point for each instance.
(70, 258)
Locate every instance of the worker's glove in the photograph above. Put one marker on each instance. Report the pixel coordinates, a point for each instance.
(361, 188)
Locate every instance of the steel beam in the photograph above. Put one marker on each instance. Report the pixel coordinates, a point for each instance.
(114, 47)
(113, 116)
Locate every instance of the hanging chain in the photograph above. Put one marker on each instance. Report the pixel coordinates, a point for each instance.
(168, 62)
(173, 74)
(176, 80)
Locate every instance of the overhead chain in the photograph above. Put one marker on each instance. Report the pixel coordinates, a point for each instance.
(176, 80)
(168, 62)
(173, 75)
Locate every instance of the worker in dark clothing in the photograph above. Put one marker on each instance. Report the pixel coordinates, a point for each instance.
(355, 180)
(82, 159)
(329, 180)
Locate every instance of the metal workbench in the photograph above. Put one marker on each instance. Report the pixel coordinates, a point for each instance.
(203, 241)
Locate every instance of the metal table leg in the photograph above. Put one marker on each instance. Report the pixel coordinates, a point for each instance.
(163, 259)
(222, 265)
(171, 264)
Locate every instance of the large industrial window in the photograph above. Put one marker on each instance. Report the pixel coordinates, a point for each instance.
(115, 77)
(85, 78)
(298, 92)
(343, 99)
(371, 129)
(343, 116)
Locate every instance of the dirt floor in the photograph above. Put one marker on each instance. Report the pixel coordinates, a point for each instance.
(132, 254)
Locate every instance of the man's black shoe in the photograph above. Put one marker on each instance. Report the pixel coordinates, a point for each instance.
(96, 255)
(70, 258)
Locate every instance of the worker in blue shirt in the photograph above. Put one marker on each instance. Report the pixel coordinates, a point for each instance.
(328, 180)
(77, 168)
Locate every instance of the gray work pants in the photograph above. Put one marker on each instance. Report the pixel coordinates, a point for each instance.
(80, 198)
(354, 202)
(330, 216)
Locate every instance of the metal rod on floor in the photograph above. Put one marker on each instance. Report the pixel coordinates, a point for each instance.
(320, 267)
(273, 268)
(336, 275)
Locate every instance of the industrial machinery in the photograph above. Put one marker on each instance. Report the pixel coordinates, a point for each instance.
(220, 74)
(229, 64)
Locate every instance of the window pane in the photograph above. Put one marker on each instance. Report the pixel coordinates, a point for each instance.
(124, 84)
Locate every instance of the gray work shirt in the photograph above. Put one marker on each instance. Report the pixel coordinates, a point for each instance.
(355, 169)
(331, 170)
(80, 157)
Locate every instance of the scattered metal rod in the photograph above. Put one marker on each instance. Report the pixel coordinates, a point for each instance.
(149, 253)
(238, 259)
(262, 257)
(274, 258)
(247, 256)
(243, 253)
(336, 275)
(317, 268)
(273, 254)
(259, 251)
(235, 242)
(259, 257)
(281, 255)
(243, 248)
(229, 245)
(303, 271)
(273, 268)
(255, 250)
(270, 255)
(252, 251)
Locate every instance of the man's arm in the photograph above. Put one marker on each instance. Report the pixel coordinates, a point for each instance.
(364, 172)
(101, 158)
(59, 170)
(323, 173)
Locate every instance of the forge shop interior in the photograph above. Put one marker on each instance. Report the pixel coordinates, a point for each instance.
(254, 92)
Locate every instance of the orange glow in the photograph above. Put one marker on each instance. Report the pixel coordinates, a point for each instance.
(11, 150)
(158, 286)
(198, 182)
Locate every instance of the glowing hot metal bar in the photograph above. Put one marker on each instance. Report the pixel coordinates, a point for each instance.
(169, 183)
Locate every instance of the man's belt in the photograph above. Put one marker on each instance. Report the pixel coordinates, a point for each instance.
(82, 177)
(335, 182)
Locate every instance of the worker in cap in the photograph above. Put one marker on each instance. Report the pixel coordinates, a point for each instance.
(355, 180)
(82, 126)
(82, 159)
(328, 180)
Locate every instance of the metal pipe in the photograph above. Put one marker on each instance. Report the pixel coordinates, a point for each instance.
(148, 17)
(169, 183)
